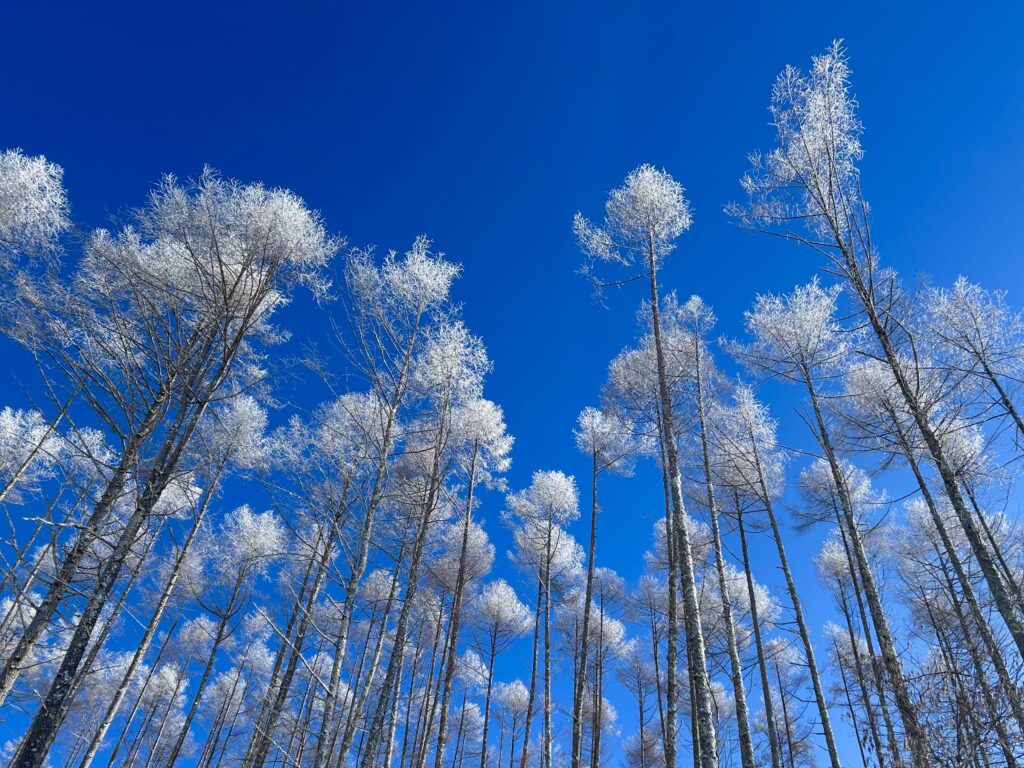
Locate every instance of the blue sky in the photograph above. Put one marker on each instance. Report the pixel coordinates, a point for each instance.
(488, 125)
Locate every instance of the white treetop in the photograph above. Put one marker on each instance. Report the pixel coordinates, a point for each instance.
(794, 333)
(498, 609)
(976, 326)
(813, 169)
(604, 436)
(648, 210)
(33, 203)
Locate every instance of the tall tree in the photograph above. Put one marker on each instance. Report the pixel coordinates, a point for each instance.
(643, 220)
(608, 444)
(152, 326)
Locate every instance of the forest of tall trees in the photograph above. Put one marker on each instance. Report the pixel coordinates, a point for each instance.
(196, 573)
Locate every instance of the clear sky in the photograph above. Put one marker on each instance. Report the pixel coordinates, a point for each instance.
(488, 125)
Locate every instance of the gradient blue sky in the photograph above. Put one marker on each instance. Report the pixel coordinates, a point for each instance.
(488, 125)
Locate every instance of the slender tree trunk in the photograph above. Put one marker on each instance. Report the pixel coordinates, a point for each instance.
(218, 638)
(849, 705)
(428, 703)
(182, 678)
(142, 690)
(578, 683)
(512, 746)
(736, 666)
(389, 746)
(376, 732)
(787, 724)
(876, 673)
(668, 712)
(533, 676)
(487, 707)
(546, 746)
(859, 675)
(773, 737)
(812, 665)
(460, 586)
(408, 731)
(359, 699)
(259, 729)
(599, 665)
(656, 656)
(272, 708)
(701, 694)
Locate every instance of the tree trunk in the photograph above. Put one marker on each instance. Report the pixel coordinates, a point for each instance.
(358, 700)
(218, 638)
(487, 708)
(812, 666)
(849, 705)
(578, 683)
(533, 676)
(859, 674)
(701, 694)
(773, 736)
(546, 745)
(460, 586)
(736, 666)
(876, 673)
(271, 710)
(376, 732)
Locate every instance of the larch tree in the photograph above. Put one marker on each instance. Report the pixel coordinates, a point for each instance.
(797, 338)
(499, 618)
(390, 308)
(155, 321)
(754, 468)
(607, 442)
(480, 429)
(643, 220)
(809, 189)
(544, 548)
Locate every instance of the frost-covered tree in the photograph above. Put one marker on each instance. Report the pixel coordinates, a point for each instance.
(753, 467)
(544, 548)
(609, 445)
(390, 309)
(156, 321)
(796, 337)
(643, 220)
(809, 189)
(480, 430)
(980, 336)
(33, 206)
(499, 619)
